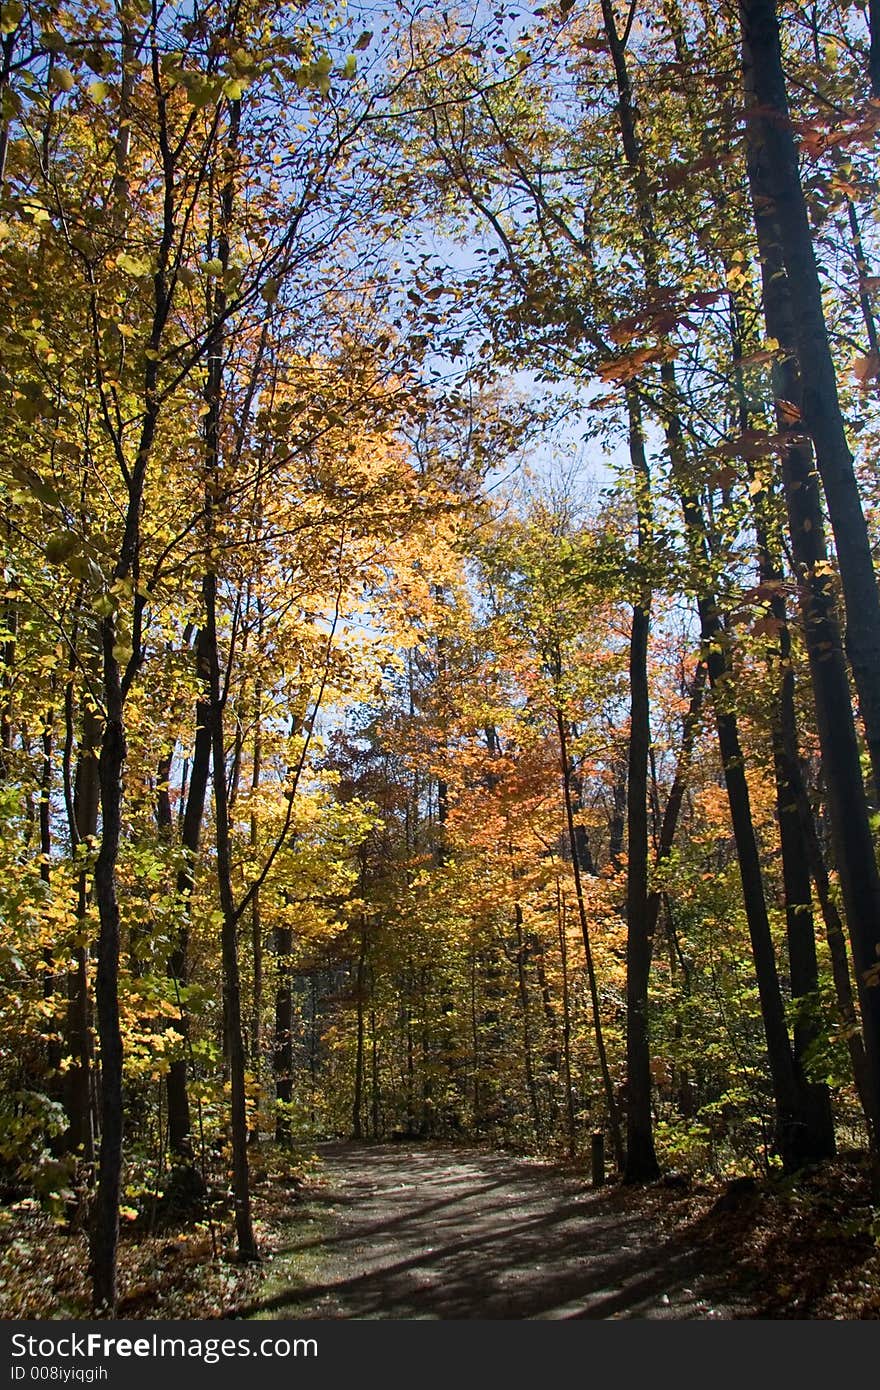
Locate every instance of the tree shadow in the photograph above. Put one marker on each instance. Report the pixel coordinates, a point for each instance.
(527, 1243)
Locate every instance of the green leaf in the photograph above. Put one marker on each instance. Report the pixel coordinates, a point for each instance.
(63, 78)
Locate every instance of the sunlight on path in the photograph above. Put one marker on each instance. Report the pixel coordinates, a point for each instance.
(430, 1232)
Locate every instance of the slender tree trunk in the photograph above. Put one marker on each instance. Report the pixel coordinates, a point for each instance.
(608, 1085)
(8, 640)
(525, 1019)
(256, 914)
(105, 1215)
(50, 981)
(863, 271)
(232, 1022)
(836, 938)
(357, 1103)
(641, 1158)
(282, 1046)
(374, 1066)
(179, 1120)
(83, 811)
(800, 932)
(672, 810)
(232, 1011)
(788, 1092)
(571, 1124)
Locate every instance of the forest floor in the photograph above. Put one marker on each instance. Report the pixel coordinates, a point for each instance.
(429, 1231)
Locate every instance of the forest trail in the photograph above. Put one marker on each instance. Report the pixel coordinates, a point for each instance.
(424, 1231)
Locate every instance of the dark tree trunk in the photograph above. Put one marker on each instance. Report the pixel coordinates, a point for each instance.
(617, 821)
(179, 1118)
(232, 1019)
(672, 810)
(256, 1038)
(375, 1105)
(282, 1046)
(571, 1124)
(773, 149)
(358, 1100)
(7, 665)
(817, 1137)
(641, 1158)
(232, 1011)
(105, 1215)
(525, 1019)
(847, 802)
(77, 1082)
(50, 979)
(836, 938)
(818, 1140)
(608, 1085)
(788, 1096)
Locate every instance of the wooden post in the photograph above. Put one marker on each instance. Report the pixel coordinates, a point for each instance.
(597, 1158)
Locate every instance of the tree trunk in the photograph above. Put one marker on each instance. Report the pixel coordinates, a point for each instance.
(571, 1125)
(672, 810)
(105, 1215)
(358, 1100)
(641, 1158)
(84, 826)
(789, 1095)
(817, 1139)
(232, 1012)
(610, 1099)
(179, 1120)
(847, 802)
(523, 995)
(282, 1047)
(232, 1029)
(256, 914)
(772, 147)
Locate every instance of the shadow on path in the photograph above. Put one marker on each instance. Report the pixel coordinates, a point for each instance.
(431, 1232)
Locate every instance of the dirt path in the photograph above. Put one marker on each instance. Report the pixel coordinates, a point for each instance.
(426, 1232)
